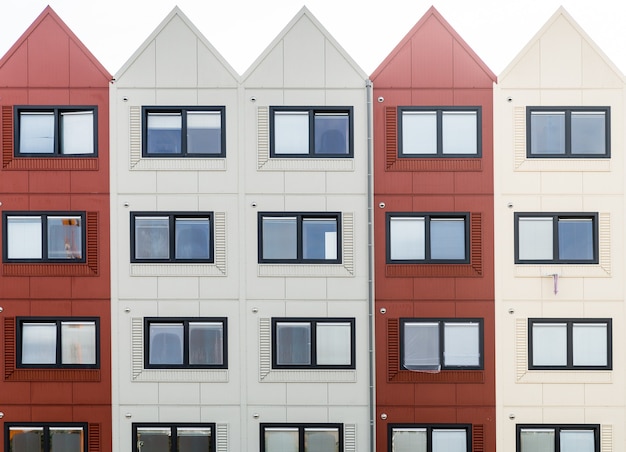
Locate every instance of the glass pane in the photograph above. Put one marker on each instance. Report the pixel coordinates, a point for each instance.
(332, 133)
(460, 132)
(66, 439)
(36, 132)
(293, 343)
(590, 344)
(166, 343)
(281, 440)
(280, 238)
(26, 439)
(321, 440)
(156, 439)
(549, 344)
(419, 132)
(39, 343)
(206, 344)
(193, 238)
(24, 238)
(449, 440)
(65, 238)
(319, 238)
(334, 343)
(204, 132)
(78, 343)
(164, 133)
(547, 131)
(537, 440)
(576, 239)
(421, 346)
(408, 440)
(589, 133)
(291, 132)
(535, 238)
(152, 238)
(447, 238)
(407, 238)
(461, 344)
(194, 439)
(77, 131)
(577, 441)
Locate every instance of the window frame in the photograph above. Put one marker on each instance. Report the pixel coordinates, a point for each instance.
(46, 426)
(556, 216)
(558, 428)
(44, 215)
(57, 111)
(567, 131)
(428, 217)
(185, 321)
(313, 322)
(441, 332)
(439, 110)
(312, 110)
(172, 217)
(183, 110)
(300, 217)
(301, 430)
(173, 426)
(569, 323)
(429, 432)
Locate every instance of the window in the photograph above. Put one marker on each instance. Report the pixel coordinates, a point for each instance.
(53, 437)
(171, 237)
(55, 131)
(301, 437)
(313, 343)
(43, 237)
(311, 132)
(427, 238)
(558, 438)
(429, 438)
(185, 343)
(184, 132)
(569, 344)
(299, 237)
(436, 344)
(566, 238)
(439, 132)
(153, 437)
(565, 132)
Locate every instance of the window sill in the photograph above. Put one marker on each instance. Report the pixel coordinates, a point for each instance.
(562, 270)
(566, 376)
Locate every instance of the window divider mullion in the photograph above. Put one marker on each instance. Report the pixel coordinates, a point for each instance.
(183, 132)
(44, 238)
(59, 344)
(172, 237)
(299, 238)
(311, 132)
(313, 345)
(427, 244)
(442, 343)
(570, 344)
(555, 239)
(439, 132)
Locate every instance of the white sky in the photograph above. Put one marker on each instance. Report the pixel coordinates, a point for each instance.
(368, 30)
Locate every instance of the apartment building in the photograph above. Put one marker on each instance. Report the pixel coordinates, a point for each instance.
(54, 276)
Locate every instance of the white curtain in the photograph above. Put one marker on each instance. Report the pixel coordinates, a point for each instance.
(535, 238)
(24, 238)
(39, 343)
(408, 440)
(407, 237)
(78, 342)
(461, 344)
(281, 440)
(333, 343)
(590, 344)
(77, 127)
(37, 132)
(549, 344)
(577, 441)
(419, 132)
(421, 346)
(449, 440)
(459, 132)
(291, 132)
(537, 440)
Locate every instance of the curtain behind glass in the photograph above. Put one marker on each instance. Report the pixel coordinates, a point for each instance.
(461, 344)
(407, 238)
(419, 132)
(77, 132)
(334, 343)
(588, 132)
(537, 440)
(549, 344)
(449, 440)
(535, 238)
(459, 130)
(78, 343)
(421, 346)
(281, 440)
(36, 132)
(589, 341)
(39, 343)
(408, 440)
(24, 236)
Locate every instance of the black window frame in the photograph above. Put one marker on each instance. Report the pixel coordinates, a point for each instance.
(183, 110)
(568, 127)
(439, 110)
(429, 432)
(172, 217)
(185, 321)
(300, 217)
(57, 111)
(312, 110)
(46, 446)
(313, 322)
(556, 216)
(428, 216)
(173, 426)
(301, 429)
(44, 215)
(442, 349)
(569, 322)
(558, 428)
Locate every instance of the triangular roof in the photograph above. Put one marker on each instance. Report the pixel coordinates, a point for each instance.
(41, 35)
(432, 53)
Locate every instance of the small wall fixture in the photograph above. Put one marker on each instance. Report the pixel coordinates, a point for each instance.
(255, 310)
(381, 205)
(509, 99)
(253, 204)
(383, 416)
(126, 310)
(128, 415)
(125, 99)
(511, 416)
(256, 415)
(383, 310)
(253, 99)
(381, 99)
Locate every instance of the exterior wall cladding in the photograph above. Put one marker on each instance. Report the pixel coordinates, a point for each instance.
(321, 273)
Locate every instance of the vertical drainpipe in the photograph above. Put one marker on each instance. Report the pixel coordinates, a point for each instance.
(370, 259)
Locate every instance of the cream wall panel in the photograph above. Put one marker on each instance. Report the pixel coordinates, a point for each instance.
(268, 70)
(176, 413)
(305, 414)
(172, 182)
(525, 72)
(216, 395)
(136, 288)
(562, 97)
(182, 202)
(339, 72)
(178, 307)
(310, 394)
(563, 395)
(176, 96)
(176, 55)
(311, 95)
(179, 394)
(304, 55)
(561, 56)
(596, 72)
(356, 290)
(143, 393)
(518, 183)
(141, 73)
(179, 288)
(305, 288)
(305, 182)
(309, 308)
(564, 415)
(141, 182)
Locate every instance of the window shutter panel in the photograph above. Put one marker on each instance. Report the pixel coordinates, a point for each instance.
(94, 437)
(391, 136)
(9, 346)
(7, 135)
(478, 438)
